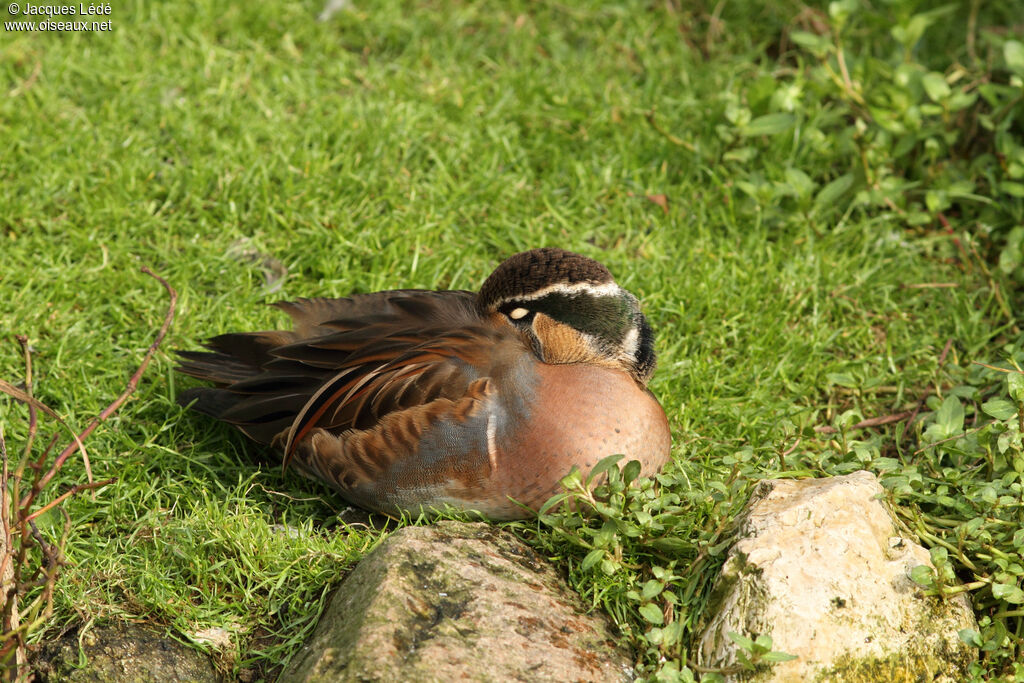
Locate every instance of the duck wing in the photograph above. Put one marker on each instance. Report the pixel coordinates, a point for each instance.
(347, 363)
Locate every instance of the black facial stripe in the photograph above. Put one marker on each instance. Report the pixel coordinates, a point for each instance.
(604, 317)
(645, 356)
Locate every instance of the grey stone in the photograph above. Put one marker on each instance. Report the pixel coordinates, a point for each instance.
(126, 653)
(457, 601)
(822, 567)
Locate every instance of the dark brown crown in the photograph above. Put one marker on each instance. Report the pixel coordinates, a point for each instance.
(530, 271)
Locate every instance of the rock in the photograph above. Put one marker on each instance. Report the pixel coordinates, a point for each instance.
(822, 568)
(457, 601)
(127, 653)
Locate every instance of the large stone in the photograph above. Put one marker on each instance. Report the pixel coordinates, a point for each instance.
(457, 601)
(823, 569)
(127, 653)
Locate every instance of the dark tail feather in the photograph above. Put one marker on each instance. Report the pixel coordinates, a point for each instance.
(251, 348)
(226, 405)
(219, 368)
(208, 401)
(243, 393)
(233, 357)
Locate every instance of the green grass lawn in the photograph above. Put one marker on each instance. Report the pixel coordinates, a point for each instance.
(795, 266)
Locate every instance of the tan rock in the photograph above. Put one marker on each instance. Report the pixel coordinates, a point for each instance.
(457, 601)
(822, 568)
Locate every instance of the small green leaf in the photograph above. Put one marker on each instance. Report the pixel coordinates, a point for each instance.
(935, 85)
(592, 558)
(778, 657)
(1007, 439)
(673, 633)
(910, 31)
(1015, 384)
(740, 155)
(1011, 188)
(801, 183)
(961, 100)
(719, 548)
(950, 416)
(631, 471)
(602, 466)
(672, 544)
(744, 642)
(819, 45)
(923, 575)
(652, 614)
(1010, 592)
(552, 502)
(989, 495)
(842, 380)
(970, 637)
(571, 480)
(652, 588)
(769, 124)
(999, 408)
(833, 191)
(1013, 53)
(841, 9)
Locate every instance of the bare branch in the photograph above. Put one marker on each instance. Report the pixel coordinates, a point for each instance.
(19, 570)
(32, 417)
(872, 422)
(113, 407)
(77, 488)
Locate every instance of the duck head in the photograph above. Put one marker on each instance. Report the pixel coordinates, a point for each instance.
(569, 309)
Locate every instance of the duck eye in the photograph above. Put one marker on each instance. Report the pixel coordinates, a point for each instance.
(517, 313)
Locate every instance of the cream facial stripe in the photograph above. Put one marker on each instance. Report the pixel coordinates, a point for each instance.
(518, 313)
(606, 289)
(629, 344)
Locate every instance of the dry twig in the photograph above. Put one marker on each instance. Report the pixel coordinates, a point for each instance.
(21, 540)
(872, 422)
(650, 116)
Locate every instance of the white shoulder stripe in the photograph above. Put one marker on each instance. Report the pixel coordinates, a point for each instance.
(492, 447)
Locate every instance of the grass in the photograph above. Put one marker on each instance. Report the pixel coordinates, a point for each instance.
(416, 145)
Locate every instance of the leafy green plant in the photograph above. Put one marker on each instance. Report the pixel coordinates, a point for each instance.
(871, 112)
(758, 651)
(960, 489)
(645, 549)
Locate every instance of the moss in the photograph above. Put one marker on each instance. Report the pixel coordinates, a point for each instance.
(899, 667)
(120, 653)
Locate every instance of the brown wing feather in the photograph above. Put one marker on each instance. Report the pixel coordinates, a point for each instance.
(361, 395)
(318, 316)
(362, 463)
(348, 363)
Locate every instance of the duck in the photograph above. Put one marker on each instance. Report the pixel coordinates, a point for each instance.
(407, 401)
